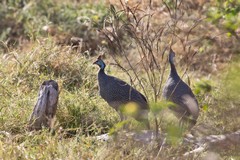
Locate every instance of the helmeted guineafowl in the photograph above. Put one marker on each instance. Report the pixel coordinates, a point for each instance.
(178, 92)
(118, 93)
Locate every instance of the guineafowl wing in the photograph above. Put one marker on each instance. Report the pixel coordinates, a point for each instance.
(123, 92)
(180, 93)
(143, 97)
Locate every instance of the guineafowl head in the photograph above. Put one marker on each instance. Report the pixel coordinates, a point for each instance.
(100, 62)
(171, 56)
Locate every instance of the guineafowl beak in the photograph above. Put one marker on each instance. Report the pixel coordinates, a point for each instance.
(95, 62)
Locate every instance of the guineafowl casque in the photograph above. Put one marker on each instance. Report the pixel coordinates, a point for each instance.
(118, 93)
(178, 92)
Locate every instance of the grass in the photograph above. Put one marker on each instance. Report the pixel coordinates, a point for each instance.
(81, 112)
(29, 55)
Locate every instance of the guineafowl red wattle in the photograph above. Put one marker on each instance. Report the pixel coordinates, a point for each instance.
(118, 93)
(178, 92)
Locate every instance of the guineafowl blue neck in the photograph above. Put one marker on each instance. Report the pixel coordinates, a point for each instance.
(101, 71)
(173, 69)
(102, 77)
(102, 65)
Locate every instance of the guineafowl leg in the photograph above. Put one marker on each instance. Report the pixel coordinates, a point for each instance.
(142, 117)
(182, 119)
(123, 118)
(189, 122)
(186, 121)
(146, 123)
(181, 123)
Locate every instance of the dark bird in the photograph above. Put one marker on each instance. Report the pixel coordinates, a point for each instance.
(118, 93)
(175, 90)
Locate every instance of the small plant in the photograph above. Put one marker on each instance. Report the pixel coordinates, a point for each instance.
(225, 14)
(134, 30)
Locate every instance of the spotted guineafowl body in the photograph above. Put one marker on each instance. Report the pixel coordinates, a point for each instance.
(118, 93)
(180, 93)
